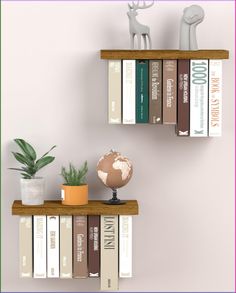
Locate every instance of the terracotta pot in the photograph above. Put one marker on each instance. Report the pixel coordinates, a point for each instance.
(74, 195)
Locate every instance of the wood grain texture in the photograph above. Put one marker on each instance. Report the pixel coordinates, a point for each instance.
(94, 207)
(163, 54)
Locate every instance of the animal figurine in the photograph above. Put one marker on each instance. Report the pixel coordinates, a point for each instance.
(137, 29)
(193, 15)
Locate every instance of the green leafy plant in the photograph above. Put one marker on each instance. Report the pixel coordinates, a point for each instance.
(74, 176)
(28, 157)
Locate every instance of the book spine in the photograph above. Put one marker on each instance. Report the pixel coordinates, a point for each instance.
(65, 246)
(155, 91)
(53, 246)
(25, 245)
(128, 91)
(109, 253)
(125, 246)
(114, 91)
(80, 246)
(142, 91)
(40, 247)
(183, 109)
(169, 91)
(199, 98)
(94, 246)
(215, 98)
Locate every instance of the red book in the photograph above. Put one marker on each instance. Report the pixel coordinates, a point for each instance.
(94, 246)
(183, 114)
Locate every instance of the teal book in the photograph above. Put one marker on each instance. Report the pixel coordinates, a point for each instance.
(142, 91)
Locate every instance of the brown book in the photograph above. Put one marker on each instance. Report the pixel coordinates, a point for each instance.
(169, 91)
(183, 109)
(80, 246)
(94, 246)
(155, 91)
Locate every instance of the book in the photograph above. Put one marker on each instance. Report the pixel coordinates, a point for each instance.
(142, 91)
(66, 246)
(199, 98)
(109, 253)
(215, 97)
(40, 247)
(183, 104)
(169, 91)
(53, 246)
(114, 91)
(128, 91)
(80, 247)
(155, 91)
(125, 246)
(94, 246)
(25, 245)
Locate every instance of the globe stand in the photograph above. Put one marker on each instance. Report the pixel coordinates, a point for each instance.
(114, 200)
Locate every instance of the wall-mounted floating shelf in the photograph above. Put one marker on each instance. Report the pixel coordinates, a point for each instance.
(163, 54)
(94, 207)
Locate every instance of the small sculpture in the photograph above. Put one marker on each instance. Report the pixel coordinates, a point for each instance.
(193, 15)
(136, 28)
(115, 171)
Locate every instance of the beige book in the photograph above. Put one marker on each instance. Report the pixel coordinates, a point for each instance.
(109, 253)
(114, 91)
(25, 241)
(66, 246)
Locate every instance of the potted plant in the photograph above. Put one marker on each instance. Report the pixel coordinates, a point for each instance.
(75, 190)
(32, 187)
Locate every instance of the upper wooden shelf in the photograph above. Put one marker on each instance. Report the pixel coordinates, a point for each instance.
(94, 207)
(164, 54)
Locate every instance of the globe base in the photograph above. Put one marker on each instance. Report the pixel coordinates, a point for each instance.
(114, 200)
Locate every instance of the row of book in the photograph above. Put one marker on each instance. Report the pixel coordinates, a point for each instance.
(77, 247)
(186, 93)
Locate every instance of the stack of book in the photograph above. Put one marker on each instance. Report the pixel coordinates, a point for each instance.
(77, 247)
(186, 93)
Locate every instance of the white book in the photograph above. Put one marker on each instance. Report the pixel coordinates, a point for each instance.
(40, 247)
(114, 91)
(109, 253)
(53, 246)
(65, 246)
(25, 245)
(129, 91)
(199, 98)
(215, 97)
(125, 246)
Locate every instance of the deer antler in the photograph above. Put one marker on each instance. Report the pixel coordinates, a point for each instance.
(144, 6)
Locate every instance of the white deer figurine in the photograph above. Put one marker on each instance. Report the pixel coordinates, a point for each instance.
(136, 28)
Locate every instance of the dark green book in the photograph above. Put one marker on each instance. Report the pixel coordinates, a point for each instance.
(142, 91)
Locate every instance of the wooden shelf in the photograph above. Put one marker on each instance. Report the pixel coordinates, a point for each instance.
(94, 207)
(163, 54)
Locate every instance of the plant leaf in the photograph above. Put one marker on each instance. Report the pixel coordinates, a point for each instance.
(26, 176)
(27, 149)
(48, 151)
(43, 162)
(16, 169)
(22, 159)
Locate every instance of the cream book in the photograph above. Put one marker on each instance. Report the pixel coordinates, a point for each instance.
(125, 246)
(65, 246)
(129, 91)
(215, 97)
(199, 98)
(114, 91)
(40, 245)
(109, 253)
(25, 245)
(53, 246)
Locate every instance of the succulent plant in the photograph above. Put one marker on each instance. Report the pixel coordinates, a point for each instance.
(74, 176)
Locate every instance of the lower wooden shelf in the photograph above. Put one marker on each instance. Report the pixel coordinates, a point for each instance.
(94, 207)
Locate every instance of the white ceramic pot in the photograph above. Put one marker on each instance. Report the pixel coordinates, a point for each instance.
(32, 191)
